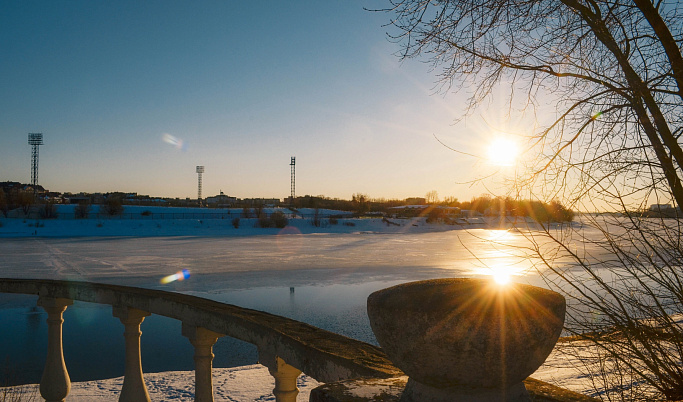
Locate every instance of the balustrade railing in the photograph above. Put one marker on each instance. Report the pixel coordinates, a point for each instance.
(416, 322)
(285, 346)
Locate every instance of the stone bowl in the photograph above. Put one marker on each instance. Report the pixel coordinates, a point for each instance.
(466, 332)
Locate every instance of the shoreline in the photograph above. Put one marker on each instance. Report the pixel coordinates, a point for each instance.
(254, 382)
(168, 224)
(243, 383)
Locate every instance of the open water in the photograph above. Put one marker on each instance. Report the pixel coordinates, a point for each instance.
(323, 280)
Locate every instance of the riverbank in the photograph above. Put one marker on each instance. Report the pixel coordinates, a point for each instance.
(246, 383)
(332, 267)
(254, 383)
(138, 221)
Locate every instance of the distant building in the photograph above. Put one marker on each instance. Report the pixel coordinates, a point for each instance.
(406, 211)
(268, 202)
(78, 200)
(470, 213)
(410, 211)
(451, 211)
(14, 186)
(221, 200)
(85, 198)
(660, 207)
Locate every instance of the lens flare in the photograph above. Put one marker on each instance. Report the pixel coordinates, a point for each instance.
(178, 276)
(176, 142)
(289, 240)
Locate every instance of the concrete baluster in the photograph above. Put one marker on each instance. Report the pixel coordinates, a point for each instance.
(285, 377)
(133, 388)
(203, 340)
(55, 383)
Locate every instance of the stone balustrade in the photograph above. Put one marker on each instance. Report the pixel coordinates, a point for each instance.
(285, 346)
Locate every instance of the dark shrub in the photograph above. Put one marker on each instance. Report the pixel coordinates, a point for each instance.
(316, 218)
(263, 220)
(82, 210)
(113, 206)
(4, 203)
(48, 211)
(436, 215)
(26, 201)
(278, 219)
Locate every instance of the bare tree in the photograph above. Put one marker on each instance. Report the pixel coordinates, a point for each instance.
(612, 69)
(612, 73)
(48, 210)
(113, 206)
(82, 210)
(4, 203)
(25, 199)
(360, 203)
(432, 197)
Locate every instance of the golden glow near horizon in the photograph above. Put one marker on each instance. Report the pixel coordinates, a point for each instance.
(503, 266)
(496, 259)
(503, 152)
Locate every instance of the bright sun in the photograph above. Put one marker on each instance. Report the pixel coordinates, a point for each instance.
(503, 152)
(501, 276)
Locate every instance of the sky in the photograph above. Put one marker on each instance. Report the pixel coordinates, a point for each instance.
(132, 96)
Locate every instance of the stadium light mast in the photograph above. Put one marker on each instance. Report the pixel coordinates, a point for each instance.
(200, 170)
(293, 180)
(35, 140)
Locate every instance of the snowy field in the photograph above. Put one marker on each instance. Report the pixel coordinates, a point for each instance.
(141, 221)
(139, 249)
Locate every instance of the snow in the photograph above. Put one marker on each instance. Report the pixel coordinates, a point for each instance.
(169, 221)
(254, 383)
(248, 383)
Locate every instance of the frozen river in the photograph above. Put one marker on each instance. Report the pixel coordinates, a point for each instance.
(321, 279)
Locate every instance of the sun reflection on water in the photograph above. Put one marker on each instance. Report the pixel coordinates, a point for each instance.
(498, 258)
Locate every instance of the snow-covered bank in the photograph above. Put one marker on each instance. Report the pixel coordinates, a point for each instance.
(138, 221)
(161, 221)
(200, 227)
(254, 383)
(247, 383)
(149, 252)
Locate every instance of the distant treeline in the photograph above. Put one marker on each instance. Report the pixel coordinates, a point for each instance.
(553, 211)
(16, 195)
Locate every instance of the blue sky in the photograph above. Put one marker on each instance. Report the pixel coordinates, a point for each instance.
(245, 85)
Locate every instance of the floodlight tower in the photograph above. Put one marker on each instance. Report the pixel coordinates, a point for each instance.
(200, 170)
(293, 179)
(35, 140)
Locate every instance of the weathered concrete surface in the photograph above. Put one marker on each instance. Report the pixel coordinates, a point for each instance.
(466, 332)
(369, 389)
(390, 389)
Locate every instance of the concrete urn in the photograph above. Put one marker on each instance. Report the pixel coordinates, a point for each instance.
(466, 339)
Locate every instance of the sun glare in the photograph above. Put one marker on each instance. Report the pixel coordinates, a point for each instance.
(501, 276)
(502, 152)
